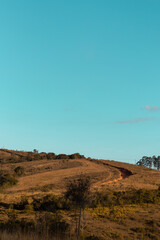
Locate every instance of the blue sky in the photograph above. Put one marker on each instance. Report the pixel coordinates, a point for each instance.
(81, 76)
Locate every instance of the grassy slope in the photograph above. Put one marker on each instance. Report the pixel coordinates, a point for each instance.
(50, 176)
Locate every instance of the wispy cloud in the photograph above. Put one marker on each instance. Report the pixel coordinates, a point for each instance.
(151, 108)
(136, 120)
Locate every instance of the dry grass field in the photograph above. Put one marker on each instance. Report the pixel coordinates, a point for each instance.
(43, 176)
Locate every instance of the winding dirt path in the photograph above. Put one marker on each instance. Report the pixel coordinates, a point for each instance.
(123, 173)
(60, 172)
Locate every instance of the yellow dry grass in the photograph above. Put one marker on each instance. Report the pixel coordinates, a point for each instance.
(58, 174)
(51, 176)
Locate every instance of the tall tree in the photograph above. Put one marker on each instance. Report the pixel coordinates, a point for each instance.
(78, 192)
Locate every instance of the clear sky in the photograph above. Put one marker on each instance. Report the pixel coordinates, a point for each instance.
(81, 76)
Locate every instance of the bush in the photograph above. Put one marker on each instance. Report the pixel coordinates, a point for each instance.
(140, 196)
(48, 223)
(13, 224)
(29, 208)
(62, 156)
(35, 150)
(7, 180)
(50, 203)
(51, 155)
(76, 156)
(19, 171)
(29, 157)
(36, 156)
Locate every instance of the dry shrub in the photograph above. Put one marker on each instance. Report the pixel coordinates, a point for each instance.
(7, 180)
(19, 171)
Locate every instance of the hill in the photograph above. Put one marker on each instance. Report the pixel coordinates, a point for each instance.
(47, 174)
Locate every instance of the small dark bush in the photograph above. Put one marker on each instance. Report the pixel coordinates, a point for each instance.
(35, 150)
(29, 158)
(36, 156)
(76, 156)
(51, 203)
(22, 204)
(48, 223)
(7, 180)
(51, 156)
(19, 171)
(62, 156)
(43, 155)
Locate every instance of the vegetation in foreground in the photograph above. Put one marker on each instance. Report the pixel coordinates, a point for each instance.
(55, 217)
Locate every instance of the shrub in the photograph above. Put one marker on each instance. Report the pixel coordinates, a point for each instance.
(29, 158)
(7, 180)
(51, 155)
(62, 156)
(21, 205)
(13, 224)
(29, 208)
(76, 156)
(35, 150)
(19, 171)
(36, 156)
(50, 203)
(47, 223)
(140, 196)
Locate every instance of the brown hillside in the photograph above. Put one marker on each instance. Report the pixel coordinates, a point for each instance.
(47, 175)
(42, 175)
